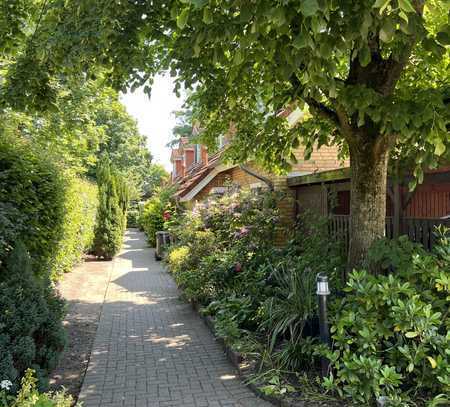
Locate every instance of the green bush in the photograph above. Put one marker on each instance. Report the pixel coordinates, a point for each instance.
(224, 237)
(184, 262)
(151, 219)
(392, 331)
(112, 211)
(81, 201)
(28, 395)
(31, 332)
(262, 298)
(32, 203)
(132, 217)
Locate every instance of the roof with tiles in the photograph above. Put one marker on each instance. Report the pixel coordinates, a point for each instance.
(196, 173)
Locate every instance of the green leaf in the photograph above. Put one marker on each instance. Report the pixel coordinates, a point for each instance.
(301, 41)
(309, 7)
(439, 147)
(182, 18)
(387, 31)
(238, 57)
(412, 184)
(197, 50)
(381, 4)
(443, 37)
(277, 16)
(411, 334)
(364, 55)
(332, 90)
(207, 16)
(403, 16)
(406, 6)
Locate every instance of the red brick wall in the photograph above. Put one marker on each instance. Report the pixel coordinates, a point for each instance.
(188, 158)
(204, 155)
(179, 168)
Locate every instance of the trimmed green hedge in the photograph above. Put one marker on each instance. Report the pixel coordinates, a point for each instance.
(51, 212)
(32, 203)
(46, 223)
(81, 201)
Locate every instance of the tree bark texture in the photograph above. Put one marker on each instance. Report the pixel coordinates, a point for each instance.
(368, 161)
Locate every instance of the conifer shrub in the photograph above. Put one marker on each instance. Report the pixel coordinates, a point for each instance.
(31, 332)
(112, 211)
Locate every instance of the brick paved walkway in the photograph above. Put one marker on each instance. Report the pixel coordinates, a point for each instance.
(151, 349)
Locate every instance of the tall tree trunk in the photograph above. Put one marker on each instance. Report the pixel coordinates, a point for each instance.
(368, 161)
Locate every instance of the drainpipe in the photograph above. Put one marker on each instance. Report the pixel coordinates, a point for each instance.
(267, 181)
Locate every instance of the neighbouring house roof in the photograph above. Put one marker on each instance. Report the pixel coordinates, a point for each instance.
(195, 174)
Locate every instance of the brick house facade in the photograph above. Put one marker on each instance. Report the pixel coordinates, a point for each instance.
(198, 179)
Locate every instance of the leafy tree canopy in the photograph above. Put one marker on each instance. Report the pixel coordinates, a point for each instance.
(376, 66)
(85, 122)
(155, 178)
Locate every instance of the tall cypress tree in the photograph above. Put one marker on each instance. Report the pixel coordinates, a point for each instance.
(111, 214)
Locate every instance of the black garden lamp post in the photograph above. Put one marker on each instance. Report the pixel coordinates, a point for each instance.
(323, 292)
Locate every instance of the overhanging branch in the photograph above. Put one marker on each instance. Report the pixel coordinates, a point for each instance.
(322, 110)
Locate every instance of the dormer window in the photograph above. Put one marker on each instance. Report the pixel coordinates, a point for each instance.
(198, 153)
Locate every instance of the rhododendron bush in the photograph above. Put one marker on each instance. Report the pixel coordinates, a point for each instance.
(221, 239)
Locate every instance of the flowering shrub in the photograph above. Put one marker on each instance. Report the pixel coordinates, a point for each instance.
(28, 395)
(224, 238)
(157, 213)
(392, 331)
(225, 259)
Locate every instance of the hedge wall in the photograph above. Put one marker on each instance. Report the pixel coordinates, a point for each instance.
(32, 206)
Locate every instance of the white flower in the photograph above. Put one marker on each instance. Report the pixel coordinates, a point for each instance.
(5, 384)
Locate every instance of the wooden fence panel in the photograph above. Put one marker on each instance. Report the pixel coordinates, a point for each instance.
(418, 230)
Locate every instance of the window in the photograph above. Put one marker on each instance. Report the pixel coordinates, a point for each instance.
(198, 153)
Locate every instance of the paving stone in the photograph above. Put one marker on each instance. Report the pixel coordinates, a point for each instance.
(151, 349)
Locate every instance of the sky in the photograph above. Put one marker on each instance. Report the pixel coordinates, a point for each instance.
(155, 117)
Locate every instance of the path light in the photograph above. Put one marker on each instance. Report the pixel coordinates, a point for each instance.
(323, 292)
